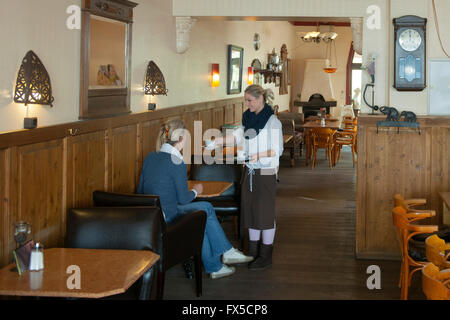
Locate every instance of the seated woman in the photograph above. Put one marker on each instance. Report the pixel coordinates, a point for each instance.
(164, 174)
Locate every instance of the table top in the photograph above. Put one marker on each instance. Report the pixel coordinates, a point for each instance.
(445, 196)
(331, 124)
(210, 188)
(102, 273)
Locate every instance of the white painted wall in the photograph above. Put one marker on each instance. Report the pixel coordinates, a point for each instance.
(41, 26)
(378, 41)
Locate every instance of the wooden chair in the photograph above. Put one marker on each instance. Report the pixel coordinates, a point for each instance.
(409, 204)
(347, 137)
(436, 251)
(406, 230)
(291, 140)
(322, 138)
(435, 283)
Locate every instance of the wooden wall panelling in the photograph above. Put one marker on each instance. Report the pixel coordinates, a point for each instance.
(45, 171)
(229, 113)
(218, 117)
(206, 119)
(12, 200)
(123, 159)
(189, 119)
(40, 185)
(3, 213)
(415, 165)
(86, 168)
(238, 110)
(396, 164)
(440, 166)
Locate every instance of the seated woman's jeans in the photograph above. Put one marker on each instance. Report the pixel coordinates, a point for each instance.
(215, 242)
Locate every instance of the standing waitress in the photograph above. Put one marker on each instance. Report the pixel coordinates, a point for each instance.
(262, 137)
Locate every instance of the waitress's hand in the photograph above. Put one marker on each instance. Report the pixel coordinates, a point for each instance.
(253, 158)
(198, 188)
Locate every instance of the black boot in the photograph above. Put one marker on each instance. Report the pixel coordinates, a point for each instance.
(264, 260)
(253, 249)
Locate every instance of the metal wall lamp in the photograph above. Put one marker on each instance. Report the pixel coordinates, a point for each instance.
(154, 81)
(33, 86)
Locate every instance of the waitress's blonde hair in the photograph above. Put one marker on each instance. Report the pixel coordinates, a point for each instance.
(170, 133)
(256, 91)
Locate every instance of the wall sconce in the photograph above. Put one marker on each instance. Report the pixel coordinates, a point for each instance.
(154, 81)
(32, 86)
(215, 75)
(250, 76)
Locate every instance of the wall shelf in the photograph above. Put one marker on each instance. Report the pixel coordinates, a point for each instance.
(269, 75)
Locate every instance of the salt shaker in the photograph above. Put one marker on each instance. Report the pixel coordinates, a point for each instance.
(37, 257)
(322, 122)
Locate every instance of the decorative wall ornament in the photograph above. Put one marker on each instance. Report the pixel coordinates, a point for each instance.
(284, 76)
(33, 82)
(357, 29)
(184, 26)
(154, 81)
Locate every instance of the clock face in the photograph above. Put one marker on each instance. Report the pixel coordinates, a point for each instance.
(409, 40)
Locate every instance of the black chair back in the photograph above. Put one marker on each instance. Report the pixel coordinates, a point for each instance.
(220, 172)
(123, 228)
(114, 199)
(127, 228)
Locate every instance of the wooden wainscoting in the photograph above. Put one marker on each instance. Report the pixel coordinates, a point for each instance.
(412, 164)
(47, 170)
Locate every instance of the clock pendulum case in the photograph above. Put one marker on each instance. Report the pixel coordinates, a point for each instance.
(410, 53)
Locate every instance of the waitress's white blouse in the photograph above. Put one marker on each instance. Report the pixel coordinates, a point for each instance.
(269, 138)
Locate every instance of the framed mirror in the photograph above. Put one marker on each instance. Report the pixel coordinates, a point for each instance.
(105, 73)
(235, 63)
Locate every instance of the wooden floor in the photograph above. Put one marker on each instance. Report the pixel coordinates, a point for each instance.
(314, 252)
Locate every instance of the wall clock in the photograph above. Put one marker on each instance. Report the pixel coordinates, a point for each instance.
(409, 53)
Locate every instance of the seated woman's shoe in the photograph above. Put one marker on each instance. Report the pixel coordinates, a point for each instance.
(233, 256)
(264, 260)
(223, 272)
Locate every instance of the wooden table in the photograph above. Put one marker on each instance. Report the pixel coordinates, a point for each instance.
(102, 273)
(445, 196)
(309, 125)
(330, 124)
(210, 188)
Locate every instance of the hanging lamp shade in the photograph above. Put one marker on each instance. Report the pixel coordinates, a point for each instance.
(33, 82)
(154, 81)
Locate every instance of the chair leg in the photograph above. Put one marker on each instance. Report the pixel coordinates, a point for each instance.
(329, 158)
(353, 154)
(198, 273)
(160, 285)
(292, 156)
(314, 157)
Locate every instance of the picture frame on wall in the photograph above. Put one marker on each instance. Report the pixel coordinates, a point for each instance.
(235, 65)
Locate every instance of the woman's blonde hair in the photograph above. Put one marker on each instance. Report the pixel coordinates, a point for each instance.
(170, 133)
(256, 91)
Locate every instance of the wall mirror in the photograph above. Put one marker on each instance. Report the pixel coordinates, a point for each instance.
(105, 73)
(235, 62)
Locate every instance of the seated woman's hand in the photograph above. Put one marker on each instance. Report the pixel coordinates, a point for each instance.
(198, 187)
